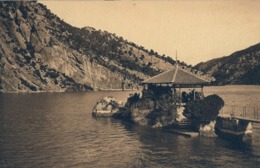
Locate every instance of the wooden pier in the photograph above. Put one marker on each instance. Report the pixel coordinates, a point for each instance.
(248, 114)
(247, 119)
(185, 133)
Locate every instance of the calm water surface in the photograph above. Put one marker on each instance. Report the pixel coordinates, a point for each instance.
(58, 130)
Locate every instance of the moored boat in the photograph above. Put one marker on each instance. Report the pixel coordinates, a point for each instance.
(232, 129)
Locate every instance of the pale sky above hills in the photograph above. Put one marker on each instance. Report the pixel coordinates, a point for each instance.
(199, 30)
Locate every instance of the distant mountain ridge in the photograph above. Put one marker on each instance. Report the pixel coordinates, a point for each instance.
(241, 67)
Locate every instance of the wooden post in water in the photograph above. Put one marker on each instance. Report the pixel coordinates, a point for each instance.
(202, 91)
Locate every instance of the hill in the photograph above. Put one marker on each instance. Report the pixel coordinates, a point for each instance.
(41, 52)
(241, 67)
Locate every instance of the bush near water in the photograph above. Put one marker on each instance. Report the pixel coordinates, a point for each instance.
(204, 111)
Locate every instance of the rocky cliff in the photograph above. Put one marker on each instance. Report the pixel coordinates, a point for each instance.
(241, 67)
(40, 52)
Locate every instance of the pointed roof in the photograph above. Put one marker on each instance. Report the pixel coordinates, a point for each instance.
(177, 76)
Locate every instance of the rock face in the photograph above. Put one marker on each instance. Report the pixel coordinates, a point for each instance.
(241, 67)
(40, 52)
(34, 59)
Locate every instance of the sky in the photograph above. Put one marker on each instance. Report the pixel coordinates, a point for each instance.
(198, 30)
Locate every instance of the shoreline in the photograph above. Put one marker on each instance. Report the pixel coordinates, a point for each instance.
(116, 90)
(100, 90)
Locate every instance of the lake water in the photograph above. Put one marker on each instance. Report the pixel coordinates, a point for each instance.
(58, 130)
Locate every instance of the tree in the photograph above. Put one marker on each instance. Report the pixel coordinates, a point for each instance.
(151, 52)
(204, 111)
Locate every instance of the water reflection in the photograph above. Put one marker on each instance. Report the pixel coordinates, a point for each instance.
(58, 130)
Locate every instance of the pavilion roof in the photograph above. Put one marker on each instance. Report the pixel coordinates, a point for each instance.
(177, 76)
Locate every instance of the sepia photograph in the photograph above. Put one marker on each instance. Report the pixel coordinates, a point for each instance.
(129, 83)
